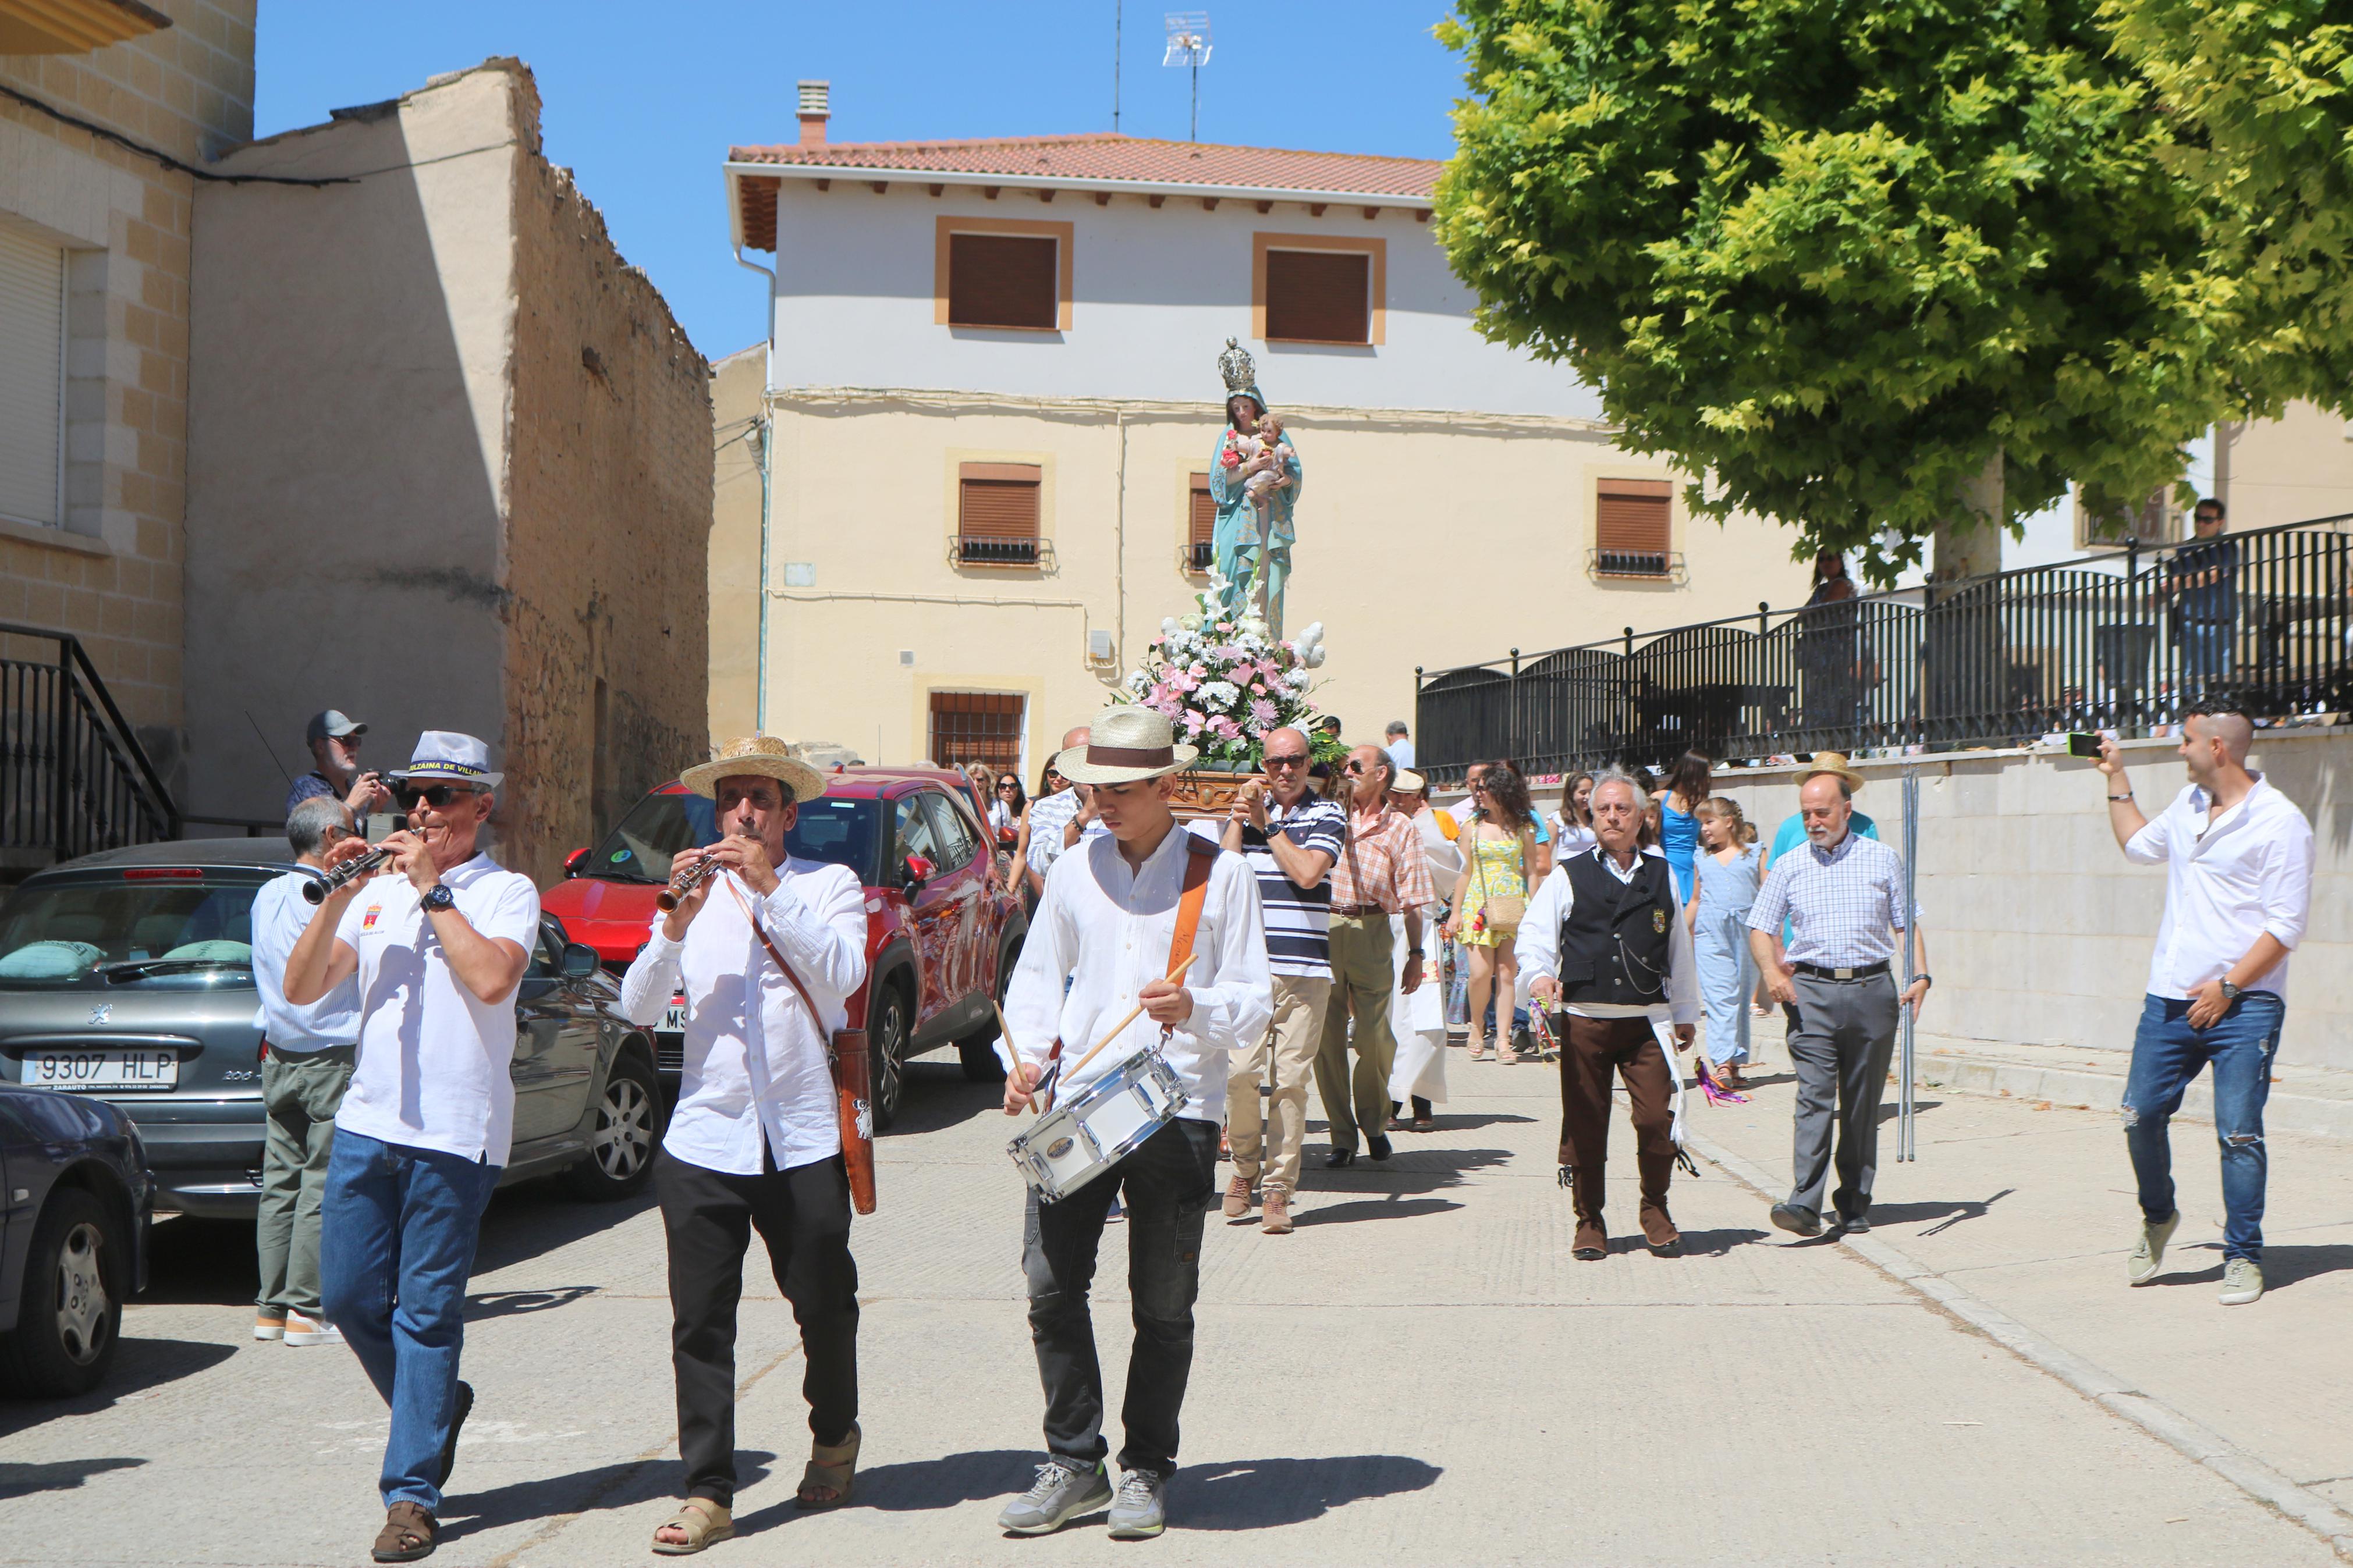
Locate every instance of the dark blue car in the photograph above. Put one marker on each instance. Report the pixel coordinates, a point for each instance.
(73, 1237)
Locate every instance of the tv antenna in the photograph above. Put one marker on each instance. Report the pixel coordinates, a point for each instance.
(1188, 46)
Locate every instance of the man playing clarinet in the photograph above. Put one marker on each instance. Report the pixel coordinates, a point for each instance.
(1114, 907)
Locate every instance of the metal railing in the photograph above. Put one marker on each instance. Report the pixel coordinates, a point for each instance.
(2120, 640)
(73, 776)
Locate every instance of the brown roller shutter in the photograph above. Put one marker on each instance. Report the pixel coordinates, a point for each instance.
(1319, 296)
(1201, 526)
(977, 727)
(996, 514)
(1001, 280)
(1630, 532)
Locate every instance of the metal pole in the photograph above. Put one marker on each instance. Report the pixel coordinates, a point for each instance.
(1117, 17)
(1904, 1149)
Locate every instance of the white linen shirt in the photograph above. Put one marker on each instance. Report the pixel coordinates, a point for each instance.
(1107, 931)
(434, 1059)
(758, 1070)
(1540, 950)
(280, 916)
(2226, 883)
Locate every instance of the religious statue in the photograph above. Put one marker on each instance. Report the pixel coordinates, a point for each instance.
(1254, 481)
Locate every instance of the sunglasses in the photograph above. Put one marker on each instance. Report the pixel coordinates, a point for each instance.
(438, 796)
(1286, 759)
(1356, 767)
(1004, 788)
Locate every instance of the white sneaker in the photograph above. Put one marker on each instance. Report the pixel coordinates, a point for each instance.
(2242, 1281)
(302, 1331)
(268, 1327)
(2148, 1251)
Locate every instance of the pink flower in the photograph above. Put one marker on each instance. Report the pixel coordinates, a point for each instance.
(1193, 722)
(1259, 687)
(1199, 672)
(1225, 728)
(1262, 714)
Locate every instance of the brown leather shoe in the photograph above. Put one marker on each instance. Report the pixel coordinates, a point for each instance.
(1275, 1217)
(1237, 1198)
(1592, 1243)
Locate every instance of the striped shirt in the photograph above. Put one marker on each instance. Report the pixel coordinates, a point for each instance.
(1844, 905)
(1049, 816)
(1383, 864)
(1298, 920)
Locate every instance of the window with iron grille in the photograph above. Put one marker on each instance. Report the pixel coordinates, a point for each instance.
(1632, 528)
(1002, 280)
(1200, 525)
(1319, 296)
(996, 513)
(978, 727)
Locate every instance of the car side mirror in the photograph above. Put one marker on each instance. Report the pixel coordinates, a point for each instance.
(574, 861)
(579, 961)
(918, 870)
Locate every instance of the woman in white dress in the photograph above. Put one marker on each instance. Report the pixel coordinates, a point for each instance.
(1418, 1073)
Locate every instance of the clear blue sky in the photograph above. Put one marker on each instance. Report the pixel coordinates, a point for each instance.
(643, 100)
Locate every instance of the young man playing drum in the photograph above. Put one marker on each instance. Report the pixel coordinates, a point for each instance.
(1099, 943)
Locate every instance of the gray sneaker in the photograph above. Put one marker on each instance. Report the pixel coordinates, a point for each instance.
(2242, 1281)
(1140, 1512)
(1061, 1493)
(2148, 1252)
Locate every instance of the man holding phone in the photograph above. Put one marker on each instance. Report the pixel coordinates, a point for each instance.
(2238, 887)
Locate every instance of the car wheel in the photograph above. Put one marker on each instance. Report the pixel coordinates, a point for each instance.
(621, 1146)
(886, 1044)
(71, 1315)
(979, 1049)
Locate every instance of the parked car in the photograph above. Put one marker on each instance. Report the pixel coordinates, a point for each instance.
(73, 1238)
(126, 977)
(941, 936)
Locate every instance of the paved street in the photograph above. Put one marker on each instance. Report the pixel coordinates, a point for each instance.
(1421, 1373)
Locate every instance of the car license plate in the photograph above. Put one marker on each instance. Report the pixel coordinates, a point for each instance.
(674, 1019)
(102, 1069)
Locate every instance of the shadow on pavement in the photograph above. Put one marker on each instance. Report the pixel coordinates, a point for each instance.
(1948, 1214)
(919, 1485)
(1390, 1208)
(1442, 1122)
(1710, 1243)
(1261, 1494)
(937, 1095)
(200, 1263)
(2282, 1265)
(489, 1304)
(607, 1487)
(140, 1364)
(1889, 1111)
(1411, 1170)
(23, 1481)
(539, 1217)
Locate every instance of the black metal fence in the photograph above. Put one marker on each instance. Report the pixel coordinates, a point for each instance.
(73, 777)
(2124, 640)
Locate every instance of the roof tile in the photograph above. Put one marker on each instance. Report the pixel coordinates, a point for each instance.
(1107, 156)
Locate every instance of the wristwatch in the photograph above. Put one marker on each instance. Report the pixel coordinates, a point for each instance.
(1413, 952)
(438, 897)
(2230, 992)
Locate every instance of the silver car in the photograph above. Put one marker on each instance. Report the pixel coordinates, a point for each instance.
(127, 976)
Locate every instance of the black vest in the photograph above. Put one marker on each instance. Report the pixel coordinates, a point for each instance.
(1614, 944)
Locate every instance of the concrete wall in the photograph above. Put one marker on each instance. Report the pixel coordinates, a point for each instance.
(735, 386)
(111, 573)
(2039, 931)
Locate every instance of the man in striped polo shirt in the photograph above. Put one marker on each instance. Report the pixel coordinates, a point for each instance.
(1291, 838)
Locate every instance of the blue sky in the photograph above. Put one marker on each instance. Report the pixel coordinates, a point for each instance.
(643, 100)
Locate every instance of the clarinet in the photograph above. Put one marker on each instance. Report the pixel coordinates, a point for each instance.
(320, 888)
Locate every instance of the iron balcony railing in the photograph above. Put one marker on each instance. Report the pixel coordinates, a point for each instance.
(2121, 640)
(73, 776)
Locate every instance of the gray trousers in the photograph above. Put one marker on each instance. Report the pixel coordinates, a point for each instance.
(1844, 1037)
(299, 1093)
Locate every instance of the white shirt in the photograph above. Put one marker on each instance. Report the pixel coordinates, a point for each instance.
(2227, 883)
(1540, 950)
(280, 916)
(1049, 814)
(1401, 751)
(749, 1069)
(434, 1058)
(1568, 838)
(1107, 930)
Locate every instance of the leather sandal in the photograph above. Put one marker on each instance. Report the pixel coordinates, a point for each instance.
(408, 1533)
(826, 1482)
(703, 1523)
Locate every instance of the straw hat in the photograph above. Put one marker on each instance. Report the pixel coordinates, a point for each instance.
(1407, 781)
(1127, 742)
(762, 755)
(1835, 765)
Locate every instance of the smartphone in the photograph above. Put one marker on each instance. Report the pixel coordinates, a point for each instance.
(2080, 744)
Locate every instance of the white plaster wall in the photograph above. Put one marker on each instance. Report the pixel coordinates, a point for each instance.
(1155, 293)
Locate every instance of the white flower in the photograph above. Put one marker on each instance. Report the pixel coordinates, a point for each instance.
(1219, 694)
(1190, 623)
(1295, 679)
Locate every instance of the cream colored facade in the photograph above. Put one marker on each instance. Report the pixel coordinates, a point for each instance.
(2289, 469)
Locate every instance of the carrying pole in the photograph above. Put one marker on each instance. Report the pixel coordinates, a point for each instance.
(1904, 1148)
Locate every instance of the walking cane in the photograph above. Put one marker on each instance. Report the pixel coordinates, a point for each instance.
(1904, 1148)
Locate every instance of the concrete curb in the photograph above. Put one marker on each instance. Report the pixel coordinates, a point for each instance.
(2312, 1116)
(2160, 1420)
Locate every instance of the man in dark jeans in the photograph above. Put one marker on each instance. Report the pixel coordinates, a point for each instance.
(2202, 581)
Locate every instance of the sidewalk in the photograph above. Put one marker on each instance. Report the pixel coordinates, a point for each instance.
(2315, 1101)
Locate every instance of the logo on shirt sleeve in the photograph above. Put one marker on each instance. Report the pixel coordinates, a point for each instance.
(367, 920)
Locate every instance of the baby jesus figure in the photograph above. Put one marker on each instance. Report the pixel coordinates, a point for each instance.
(1259, 488)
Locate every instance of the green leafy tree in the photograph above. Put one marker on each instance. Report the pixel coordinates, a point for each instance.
(1842, 255)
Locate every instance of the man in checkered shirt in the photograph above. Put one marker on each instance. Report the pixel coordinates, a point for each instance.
(1843, 896)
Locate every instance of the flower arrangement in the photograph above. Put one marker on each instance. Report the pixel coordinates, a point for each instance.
(1223, 681)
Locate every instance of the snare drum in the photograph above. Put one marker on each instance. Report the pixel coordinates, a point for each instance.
(1074, 1143)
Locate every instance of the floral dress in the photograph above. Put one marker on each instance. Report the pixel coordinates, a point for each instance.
(1496, 872)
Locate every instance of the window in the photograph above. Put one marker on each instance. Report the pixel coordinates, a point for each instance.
(1631, 528)
(958, 839)
(1313, 288)
(1200, 526)
(914, 837)
(978, 727)
(32, 392)
(996, 513)
(1005, 273)
(2157, 521)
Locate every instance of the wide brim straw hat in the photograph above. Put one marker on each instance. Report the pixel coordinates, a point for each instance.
(764, 755)
(1833, 763)
(1126, 744)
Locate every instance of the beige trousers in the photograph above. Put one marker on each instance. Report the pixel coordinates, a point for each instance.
(1364, 976)
(1290, 1048)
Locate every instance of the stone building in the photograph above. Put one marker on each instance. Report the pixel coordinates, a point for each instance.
(451, 468)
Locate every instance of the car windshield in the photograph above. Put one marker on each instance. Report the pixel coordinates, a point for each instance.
(640, 849)
(140, 925)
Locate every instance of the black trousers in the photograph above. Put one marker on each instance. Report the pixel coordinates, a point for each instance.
(803, 1217)
(1168, 1181)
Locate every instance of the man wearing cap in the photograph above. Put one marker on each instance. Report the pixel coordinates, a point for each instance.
(335, 743)
(1099, 944)
(438, 944)
(755, 1140)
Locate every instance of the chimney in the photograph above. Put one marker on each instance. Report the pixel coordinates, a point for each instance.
(815, 111)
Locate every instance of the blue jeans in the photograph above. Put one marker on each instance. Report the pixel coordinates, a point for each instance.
(2167, 1054)
(2206, 650)
(397, 1232)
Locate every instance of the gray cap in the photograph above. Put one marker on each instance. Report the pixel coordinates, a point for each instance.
(332, 725)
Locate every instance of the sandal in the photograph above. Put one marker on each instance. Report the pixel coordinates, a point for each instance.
(1482, 1049)
(826, 1482)
(408, 1533)
(703, 1523)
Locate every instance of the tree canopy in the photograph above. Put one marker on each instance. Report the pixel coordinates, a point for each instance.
(1839, 254)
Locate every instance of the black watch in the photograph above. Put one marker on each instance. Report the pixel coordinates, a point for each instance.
(438, 897)
(2231, 992)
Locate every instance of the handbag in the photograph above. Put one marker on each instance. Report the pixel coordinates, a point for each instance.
(1502, 913)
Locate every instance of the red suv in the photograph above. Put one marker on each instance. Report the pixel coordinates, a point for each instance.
(941, 936)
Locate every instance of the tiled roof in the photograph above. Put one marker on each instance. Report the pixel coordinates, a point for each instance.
(1106, 156)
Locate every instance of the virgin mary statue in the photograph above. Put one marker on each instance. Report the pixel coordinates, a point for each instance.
(1254, 531)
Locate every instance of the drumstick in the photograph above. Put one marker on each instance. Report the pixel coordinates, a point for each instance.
(1121, 1027)
(1014, 1051)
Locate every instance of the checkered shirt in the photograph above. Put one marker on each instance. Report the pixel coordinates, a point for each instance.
(1383, 864)
(1844, 905)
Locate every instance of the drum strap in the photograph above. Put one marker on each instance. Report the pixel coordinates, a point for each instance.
(1193, 898)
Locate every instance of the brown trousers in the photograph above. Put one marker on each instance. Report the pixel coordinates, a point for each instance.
(1594, 1048)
